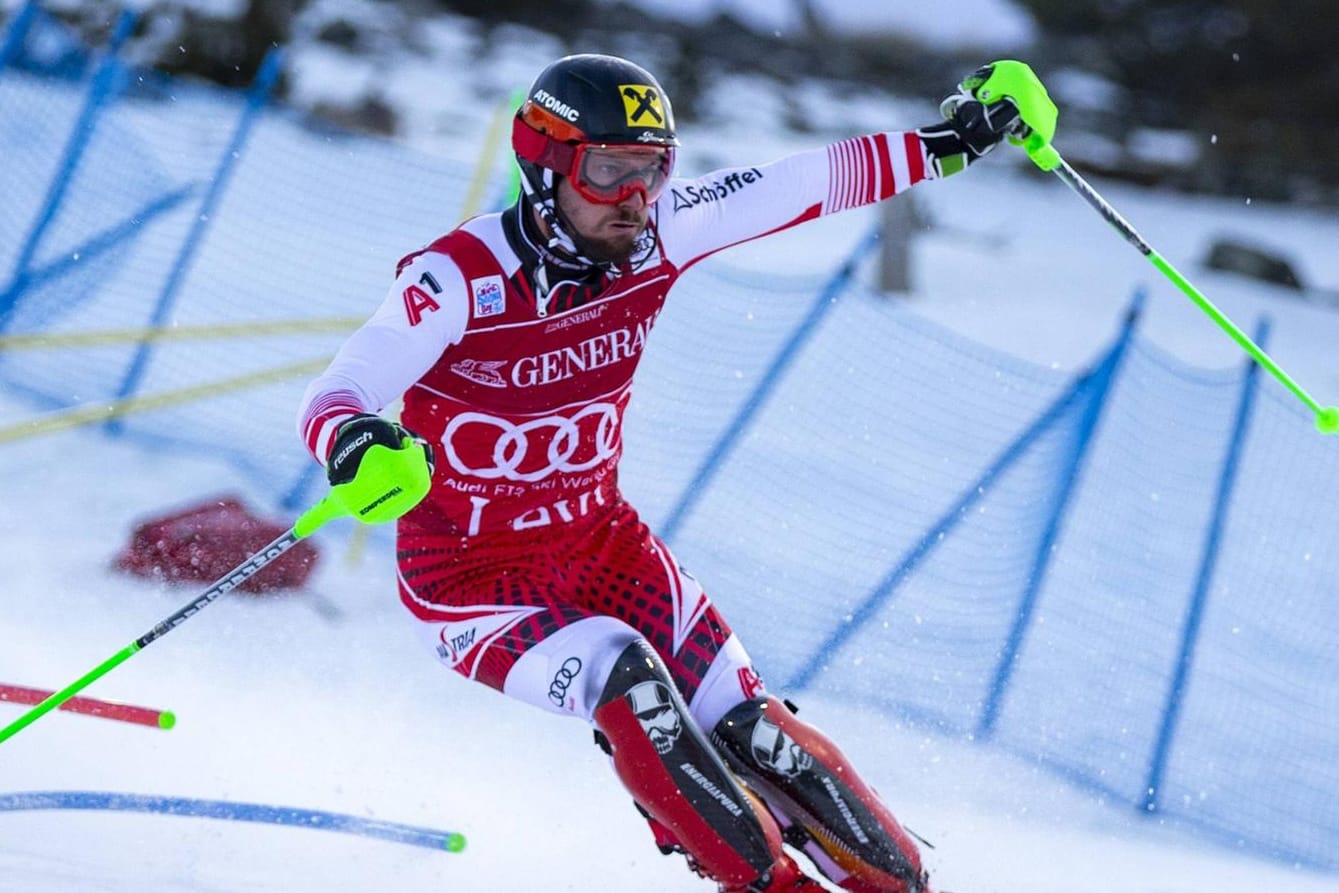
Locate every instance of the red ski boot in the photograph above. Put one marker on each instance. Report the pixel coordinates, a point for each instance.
(855, 885)
(783, 877)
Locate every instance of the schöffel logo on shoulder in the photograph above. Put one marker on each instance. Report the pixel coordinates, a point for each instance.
(490, 296)
(692, 196)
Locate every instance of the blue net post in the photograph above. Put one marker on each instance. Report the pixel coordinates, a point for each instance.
(104, 85)
(113, 238)
(1190, 631)
(17, 33)
(935, 534)
(767, 383)
(1099, 384)
(258, 96)
(296, 494)
(938, 531)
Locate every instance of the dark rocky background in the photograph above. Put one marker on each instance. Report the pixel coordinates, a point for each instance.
(1249, 90)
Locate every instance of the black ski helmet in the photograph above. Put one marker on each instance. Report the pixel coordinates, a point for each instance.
(590, 98)
(575, 103)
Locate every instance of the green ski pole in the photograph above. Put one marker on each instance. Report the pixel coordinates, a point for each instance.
(1327, 417)
(326, 510)
(1006, 80)
(391, 483)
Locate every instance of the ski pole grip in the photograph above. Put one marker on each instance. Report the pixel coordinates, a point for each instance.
(1014, 80)
(1042, 153)
(316, 517)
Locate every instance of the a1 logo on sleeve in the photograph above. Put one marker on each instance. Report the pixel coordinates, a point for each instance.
(418, 302)
(490, 297)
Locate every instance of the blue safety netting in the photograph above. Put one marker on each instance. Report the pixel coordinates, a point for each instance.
(1124, 575)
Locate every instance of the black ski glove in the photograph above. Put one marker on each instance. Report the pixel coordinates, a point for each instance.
(359, 434)
(984, 111)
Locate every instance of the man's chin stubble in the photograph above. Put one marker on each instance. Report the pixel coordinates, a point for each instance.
(615, 250)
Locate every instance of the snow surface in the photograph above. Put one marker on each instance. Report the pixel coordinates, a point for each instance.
(326, 700)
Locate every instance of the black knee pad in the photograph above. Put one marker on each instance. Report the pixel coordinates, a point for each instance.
(756, 745)
(636, 664)
(640, 676)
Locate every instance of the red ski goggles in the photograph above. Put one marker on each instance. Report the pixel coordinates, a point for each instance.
(610, 175)
(601, 173)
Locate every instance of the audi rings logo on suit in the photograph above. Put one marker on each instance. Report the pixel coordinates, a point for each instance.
(515, 457)
(562, 681)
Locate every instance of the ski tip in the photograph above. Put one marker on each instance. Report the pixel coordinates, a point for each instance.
(167, 719)
(454, 842)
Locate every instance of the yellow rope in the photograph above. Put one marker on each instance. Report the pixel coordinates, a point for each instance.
(180, 333)
(100, 412)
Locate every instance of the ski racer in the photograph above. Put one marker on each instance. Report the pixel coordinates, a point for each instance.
(513, 340)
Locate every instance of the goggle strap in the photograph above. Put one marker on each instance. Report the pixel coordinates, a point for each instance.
(541, 149)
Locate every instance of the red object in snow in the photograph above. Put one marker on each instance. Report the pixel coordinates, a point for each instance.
(204, 542)
(144, 716)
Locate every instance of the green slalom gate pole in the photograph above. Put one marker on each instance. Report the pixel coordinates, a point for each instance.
(309, 522)
(1044, 155)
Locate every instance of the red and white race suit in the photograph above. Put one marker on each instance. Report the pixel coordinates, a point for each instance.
(524, 565)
